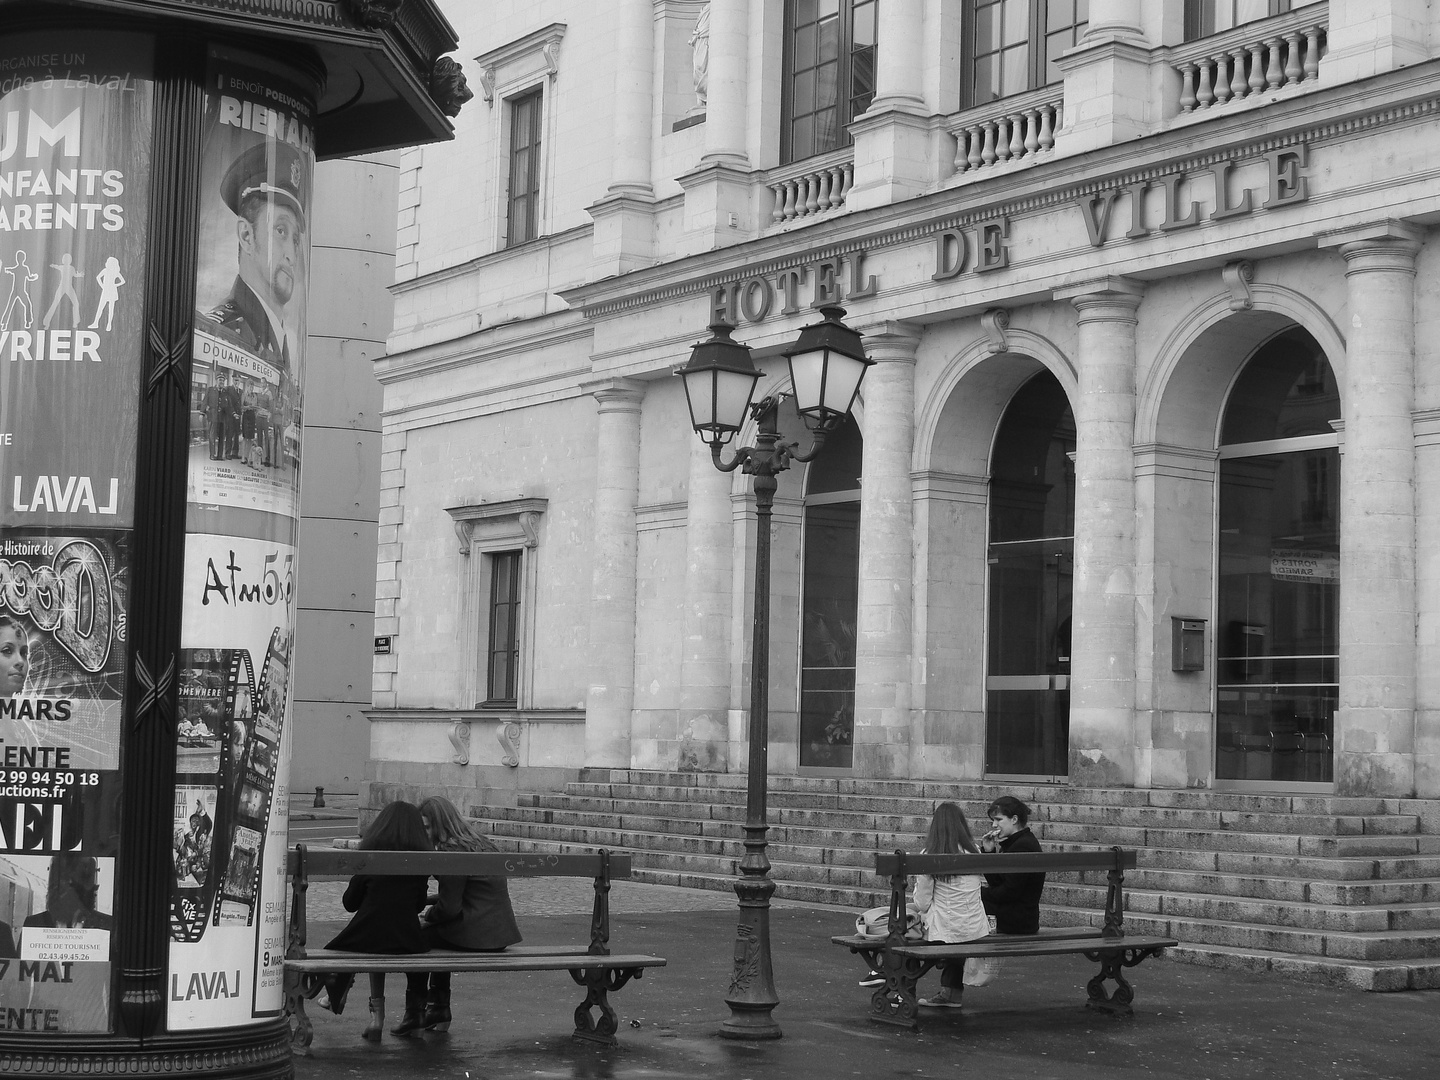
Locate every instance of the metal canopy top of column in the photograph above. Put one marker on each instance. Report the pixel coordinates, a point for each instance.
(387, 81)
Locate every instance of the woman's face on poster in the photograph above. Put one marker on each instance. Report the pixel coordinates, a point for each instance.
(14, 660)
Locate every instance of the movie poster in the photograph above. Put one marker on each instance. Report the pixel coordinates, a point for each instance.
(75, 132)
(228, 914)
(249, 343)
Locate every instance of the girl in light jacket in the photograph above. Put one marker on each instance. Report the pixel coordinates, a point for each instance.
(950, 903)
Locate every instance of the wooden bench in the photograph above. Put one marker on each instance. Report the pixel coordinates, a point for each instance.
(592, 966)
(903, 962)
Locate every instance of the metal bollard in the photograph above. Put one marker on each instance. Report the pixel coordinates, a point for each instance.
(319, 796)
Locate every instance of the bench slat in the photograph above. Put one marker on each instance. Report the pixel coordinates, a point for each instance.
(985, 947)
(343, 863)
(1023, 862)
(322, 961)
(1047, 933)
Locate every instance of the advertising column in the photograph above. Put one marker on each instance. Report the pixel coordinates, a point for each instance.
(227, 925)
(75, 127)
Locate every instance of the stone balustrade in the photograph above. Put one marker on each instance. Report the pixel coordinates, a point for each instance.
(1011, 129)
(811, 187)
(1251, 59)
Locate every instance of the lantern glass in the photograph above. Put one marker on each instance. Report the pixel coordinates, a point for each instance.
(719, 400)
(826, 366)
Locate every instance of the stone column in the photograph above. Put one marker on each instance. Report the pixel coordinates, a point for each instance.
(1102, 685)
(624, 217)
(1375, 723)
(719, 209)
(611, 697)
(895, 149)
(883, 631)
(709, 599)
(1108, 95)
(725, 102)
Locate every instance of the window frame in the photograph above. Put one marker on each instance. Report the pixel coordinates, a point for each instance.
(844, 77)
(1035, 62)
(487, 531)
(534, 130)
(1195, 16)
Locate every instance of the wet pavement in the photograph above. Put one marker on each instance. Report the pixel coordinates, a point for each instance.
(1189, 1022)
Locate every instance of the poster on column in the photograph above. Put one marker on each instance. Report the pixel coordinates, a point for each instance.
(228, 905)
(75, 132)
(250, 323)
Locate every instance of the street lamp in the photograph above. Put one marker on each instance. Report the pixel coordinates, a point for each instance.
(827, 363)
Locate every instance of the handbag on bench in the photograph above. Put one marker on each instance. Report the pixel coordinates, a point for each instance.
(875, 923)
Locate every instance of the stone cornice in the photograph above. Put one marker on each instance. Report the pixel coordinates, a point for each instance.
(1333, 113)
(491, 343)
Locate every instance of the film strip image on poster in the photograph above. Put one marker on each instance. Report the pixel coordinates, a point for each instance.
(216, 708)
(252, 757)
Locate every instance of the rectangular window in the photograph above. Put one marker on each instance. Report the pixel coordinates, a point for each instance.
(829, 72)
(504, 637)
(1014, 44)
(1206, 17)
(524, 190)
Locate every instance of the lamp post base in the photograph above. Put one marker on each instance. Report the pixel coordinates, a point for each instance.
(752, 997)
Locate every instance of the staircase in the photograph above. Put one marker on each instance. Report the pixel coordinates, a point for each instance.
(1342, 891)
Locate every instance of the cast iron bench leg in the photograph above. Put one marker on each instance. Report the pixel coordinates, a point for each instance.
(598, 982)
(895, 1002)
(304, 1032)
(1112, 962)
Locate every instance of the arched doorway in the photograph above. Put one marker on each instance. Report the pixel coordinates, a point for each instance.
(1278, 585)
(1031, 568)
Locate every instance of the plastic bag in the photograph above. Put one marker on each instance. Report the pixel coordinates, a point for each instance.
(981, 970)
(875, 923)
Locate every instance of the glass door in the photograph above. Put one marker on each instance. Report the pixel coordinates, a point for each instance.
(1032, 566)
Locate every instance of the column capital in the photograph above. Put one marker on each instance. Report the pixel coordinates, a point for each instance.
(1107, 299)
(1381, 245)
(891, 340)
(615, 394)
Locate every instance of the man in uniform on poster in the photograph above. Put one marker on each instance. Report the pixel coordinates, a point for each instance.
(269, 205)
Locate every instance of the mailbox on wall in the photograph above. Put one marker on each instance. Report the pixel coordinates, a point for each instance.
(1187, 644)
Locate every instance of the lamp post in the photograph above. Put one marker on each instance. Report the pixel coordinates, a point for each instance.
(827, 363)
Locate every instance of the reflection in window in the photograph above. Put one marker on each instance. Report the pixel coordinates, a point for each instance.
(1016, 44)
(831, 597)
(1206, 17)
(504, 647)
(829, 72)
(524, 189)
(1277, 640)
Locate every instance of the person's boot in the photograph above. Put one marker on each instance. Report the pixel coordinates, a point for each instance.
(437, 1009)
(377, 1020)
(414, 1018)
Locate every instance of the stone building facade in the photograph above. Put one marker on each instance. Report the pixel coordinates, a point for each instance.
(1142, 488)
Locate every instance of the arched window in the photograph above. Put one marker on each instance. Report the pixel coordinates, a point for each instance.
(1032, 567)
(1277, 641)
(830, 595)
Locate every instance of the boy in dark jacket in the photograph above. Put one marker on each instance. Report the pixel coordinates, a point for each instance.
(1014, 899)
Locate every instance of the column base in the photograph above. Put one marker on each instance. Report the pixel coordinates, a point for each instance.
(255, 1052)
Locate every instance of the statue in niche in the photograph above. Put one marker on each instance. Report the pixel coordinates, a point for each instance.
(700, 58)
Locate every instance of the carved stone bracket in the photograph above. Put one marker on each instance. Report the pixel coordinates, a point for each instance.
(460, 740)
(487, 85)
(375, 14)
(509, 522)
(508, 737)
(995, 322)
(1237, 277)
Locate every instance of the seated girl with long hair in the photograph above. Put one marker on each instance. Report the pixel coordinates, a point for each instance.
(950, 903)
(387, 909)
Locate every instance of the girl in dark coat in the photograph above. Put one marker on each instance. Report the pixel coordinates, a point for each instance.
(469, 913)
(1014, 899)
(386, 910)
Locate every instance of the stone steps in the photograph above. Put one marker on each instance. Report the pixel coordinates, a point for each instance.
(1330, 889)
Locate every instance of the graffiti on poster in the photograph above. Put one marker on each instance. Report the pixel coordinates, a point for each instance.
(55, 925)
(250, 327)
(232, 747)
(74, 199)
